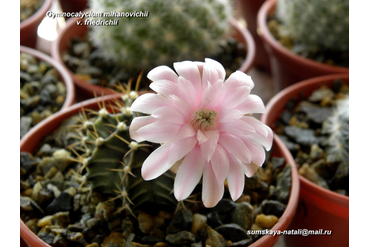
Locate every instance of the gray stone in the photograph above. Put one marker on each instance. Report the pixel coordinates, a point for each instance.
(315, 113)
(283, 185)
(243, 215)
(182, 220)
(293, 147)
(25, 124)
(215, 239)
(224, 206)
(233, 232)
(273, 207)
(181, 238)
(213, 219)
(301, 136)
(62, 203)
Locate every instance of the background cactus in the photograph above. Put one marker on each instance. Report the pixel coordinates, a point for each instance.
(337, 126)
(316, 24)
(113, 161)
(173, 31)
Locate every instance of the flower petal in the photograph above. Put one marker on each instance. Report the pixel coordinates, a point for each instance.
(149, 102)
(157, 132)
(138, 123)
(217, 67)
(258, 154)
(250, 169)
(228, 115)
(235, 96)
(236, 147)
(157, 163)
(252, 104)
(212, 190)
(189, 174)
(208, 147)
(169, 114)
(165, 87)
(162, 73)
(220, 164)
(238, 79)
(212, 72)
(201, 137)
(186, 130)
(188, 92)
(263, 134)
(235, 178)
(180, 148)
(237, 128)
(190, 71)
(212, 95)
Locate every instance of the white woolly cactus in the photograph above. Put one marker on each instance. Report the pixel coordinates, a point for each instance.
(315, 23)
(337, 126)
(173, 31)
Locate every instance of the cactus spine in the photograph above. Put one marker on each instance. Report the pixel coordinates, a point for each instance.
(113, 161)
(173, 31)
(316, 24)
(337, 126)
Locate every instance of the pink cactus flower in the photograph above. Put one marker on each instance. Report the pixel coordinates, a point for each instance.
(205, 126)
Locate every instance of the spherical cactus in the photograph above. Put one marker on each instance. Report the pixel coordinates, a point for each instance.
(163, 32)
(337, 127)
(113, 161)
(316, 24)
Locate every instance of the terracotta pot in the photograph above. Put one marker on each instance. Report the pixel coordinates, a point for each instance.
(318, 208)
(63, 74)
(32, 139)
(287, 67)
(72, 30)
(248, 10)
(28, 27)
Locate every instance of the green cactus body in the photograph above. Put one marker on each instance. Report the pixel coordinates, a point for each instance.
(173, 31)
(316, 24)
(337, 127)
(113, 161)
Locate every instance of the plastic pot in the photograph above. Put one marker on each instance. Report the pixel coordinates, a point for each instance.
(249, 10)
(318, 208)
(28, 27)
(86, 90)
(287, 67)
(32, 139)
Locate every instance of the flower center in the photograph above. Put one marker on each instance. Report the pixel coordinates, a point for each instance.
(204, 119)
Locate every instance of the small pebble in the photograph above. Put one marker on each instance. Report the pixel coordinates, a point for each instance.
(266, 221)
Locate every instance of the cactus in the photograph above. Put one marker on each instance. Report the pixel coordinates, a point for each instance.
(113, 161)
(316, 24)
(173, 31)
(337, 127)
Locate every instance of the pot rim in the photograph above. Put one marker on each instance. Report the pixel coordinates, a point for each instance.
(280, 99)
(33, 138)
(37, 15)
(265, 11)
(56, 51)
(292, 204)
(248, 41)
(64, 75)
